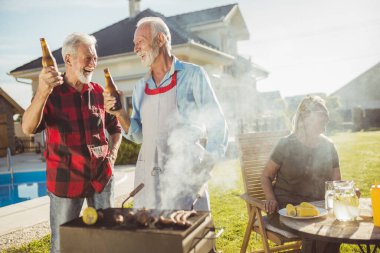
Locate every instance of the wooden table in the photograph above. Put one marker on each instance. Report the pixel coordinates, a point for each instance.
(361, 232)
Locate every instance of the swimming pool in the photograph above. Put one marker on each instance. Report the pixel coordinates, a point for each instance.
(26, 186)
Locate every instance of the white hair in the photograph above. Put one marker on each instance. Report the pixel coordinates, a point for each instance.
(157, 26)
(72, 41)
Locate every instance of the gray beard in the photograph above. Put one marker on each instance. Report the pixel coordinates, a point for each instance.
(151, 56)
(83, 78)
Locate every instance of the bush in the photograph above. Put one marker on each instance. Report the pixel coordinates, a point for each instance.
(128, 152)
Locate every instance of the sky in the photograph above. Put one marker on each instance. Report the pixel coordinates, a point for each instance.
(306, 46)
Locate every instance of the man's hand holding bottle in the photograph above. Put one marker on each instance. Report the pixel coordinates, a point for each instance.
(48, 79)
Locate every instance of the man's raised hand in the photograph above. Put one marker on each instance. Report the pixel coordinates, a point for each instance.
(48, 79)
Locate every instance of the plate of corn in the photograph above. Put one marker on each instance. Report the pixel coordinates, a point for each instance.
(304, 210)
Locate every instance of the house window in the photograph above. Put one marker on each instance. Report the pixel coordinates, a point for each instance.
(128, 103)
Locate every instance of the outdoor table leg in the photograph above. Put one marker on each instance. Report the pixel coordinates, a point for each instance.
(368, 248)
(314, 246)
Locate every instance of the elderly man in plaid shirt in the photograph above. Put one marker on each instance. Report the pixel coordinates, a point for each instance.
(79, 159)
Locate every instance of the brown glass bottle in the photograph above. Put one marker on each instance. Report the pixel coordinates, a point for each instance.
(47, 57)
(112, 89)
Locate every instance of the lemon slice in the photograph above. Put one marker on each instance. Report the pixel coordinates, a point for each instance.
(90, 216)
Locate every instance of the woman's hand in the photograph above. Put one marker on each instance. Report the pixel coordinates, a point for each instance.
(271, 206)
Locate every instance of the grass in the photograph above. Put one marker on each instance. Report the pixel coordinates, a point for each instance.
(359, 158)
(359, 161)
(40, 246)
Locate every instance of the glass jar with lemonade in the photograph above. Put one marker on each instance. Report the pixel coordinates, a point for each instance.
(346, 203)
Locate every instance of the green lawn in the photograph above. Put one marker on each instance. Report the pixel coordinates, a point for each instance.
(359, 161)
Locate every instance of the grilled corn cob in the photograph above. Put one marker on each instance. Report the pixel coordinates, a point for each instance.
(307, 204)
(306, 211)
(291, 210)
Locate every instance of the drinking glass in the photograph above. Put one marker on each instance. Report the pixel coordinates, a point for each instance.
(329, 195)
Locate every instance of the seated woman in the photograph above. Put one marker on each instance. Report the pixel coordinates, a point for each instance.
(300, 164)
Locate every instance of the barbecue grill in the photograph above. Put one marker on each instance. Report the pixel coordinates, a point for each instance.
(109, 236)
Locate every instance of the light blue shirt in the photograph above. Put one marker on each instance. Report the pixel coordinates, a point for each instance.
(196, 103)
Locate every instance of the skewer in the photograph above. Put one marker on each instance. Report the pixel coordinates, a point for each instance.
(133, 193)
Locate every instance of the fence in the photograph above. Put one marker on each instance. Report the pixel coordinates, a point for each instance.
(263, 124)
(365, 118)
(25, 144)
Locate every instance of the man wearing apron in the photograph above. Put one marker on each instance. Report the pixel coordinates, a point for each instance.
(174, 110)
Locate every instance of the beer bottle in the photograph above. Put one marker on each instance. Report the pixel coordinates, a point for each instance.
(47, 57)
(112, 89)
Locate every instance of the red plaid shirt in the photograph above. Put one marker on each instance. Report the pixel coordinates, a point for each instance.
(75, 123)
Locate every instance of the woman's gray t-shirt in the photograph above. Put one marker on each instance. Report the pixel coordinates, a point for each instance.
(303, 170)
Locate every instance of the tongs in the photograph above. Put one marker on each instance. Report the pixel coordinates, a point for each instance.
(133, 193)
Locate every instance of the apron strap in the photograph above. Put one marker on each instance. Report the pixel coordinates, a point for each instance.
(159, 90)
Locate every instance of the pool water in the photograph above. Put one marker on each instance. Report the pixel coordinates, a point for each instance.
(26, 186)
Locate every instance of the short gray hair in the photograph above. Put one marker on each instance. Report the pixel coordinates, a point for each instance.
(157, 26)
(72, 41)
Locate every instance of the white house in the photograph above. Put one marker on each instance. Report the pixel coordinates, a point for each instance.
(360, 99)
(207, 37)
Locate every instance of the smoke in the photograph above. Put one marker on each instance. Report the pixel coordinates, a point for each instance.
(186, 161)
(183, 175)
(225, 175)
(239, 99)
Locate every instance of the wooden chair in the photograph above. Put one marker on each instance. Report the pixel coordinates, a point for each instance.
(255, 149)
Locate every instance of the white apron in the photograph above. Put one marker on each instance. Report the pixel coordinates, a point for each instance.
(160, 166)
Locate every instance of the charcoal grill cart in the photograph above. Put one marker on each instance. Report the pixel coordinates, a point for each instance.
(108, 236)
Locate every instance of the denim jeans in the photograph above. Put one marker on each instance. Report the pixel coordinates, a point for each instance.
(63, 210)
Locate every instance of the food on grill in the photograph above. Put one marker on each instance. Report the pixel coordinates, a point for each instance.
(138, 218)
(100, 214)
(130, 216)
(291, 210)
(90, 216)
(172, 217)
(179, 218)
(304, 209)
(143, 217)
(118, 218)
(166, 221)
(187, 215)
